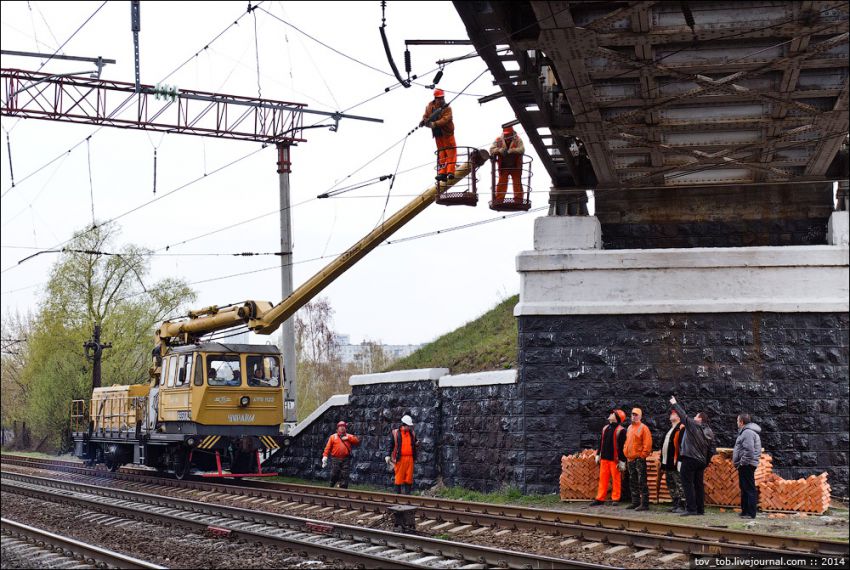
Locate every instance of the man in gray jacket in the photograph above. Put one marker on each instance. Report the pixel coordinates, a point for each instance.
(746, 456)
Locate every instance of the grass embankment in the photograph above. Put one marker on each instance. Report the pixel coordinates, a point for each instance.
(487, 343)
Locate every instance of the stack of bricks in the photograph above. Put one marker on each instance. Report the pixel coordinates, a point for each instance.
(810, 495)
(579, 476)
(658, 492)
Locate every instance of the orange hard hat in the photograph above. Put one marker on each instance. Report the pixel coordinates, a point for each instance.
(621, 415)
(438, 93)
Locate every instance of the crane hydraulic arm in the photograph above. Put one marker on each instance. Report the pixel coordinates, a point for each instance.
(264, 318)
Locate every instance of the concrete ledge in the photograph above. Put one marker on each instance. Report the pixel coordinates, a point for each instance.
(686, 258)
(336, 400)
(416, 375)
(793, 279)
(479, 379)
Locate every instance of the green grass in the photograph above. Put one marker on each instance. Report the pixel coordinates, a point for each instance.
(487, 343)
(505, 496)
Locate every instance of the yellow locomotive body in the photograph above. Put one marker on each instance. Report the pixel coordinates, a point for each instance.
(210, 407)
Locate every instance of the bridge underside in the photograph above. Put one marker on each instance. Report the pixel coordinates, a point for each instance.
(659, 94)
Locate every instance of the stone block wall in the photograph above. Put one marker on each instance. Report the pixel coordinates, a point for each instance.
(481, 442)
(469, 436)
(788, 370)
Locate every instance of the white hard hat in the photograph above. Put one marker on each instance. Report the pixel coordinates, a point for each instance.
(407, 420)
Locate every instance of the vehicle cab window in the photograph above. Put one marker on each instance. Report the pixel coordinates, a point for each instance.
(223, 370)
(263, 371)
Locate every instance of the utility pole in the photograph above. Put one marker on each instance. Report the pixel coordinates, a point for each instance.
(287, 331)
(94, 352)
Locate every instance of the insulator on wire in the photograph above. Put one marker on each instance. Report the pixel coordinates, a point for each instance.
(407, 66)
(154, 171)
(438, 77)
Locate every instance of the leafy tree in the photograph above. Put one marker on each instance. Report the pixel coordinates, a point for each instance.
(16, 329)
(94, 281)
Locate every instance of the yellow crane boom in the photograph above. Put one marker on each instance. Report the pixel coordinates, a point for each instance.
(264, 318)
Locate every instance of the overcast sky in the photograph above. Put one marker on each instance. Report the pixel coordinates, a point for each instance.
(410, 292)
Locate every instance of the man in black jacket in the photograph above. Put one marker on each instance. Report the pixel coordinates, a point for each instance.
(695, 452)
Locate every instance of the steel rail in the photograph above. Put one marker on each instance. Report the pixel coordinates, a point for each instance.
(75, 548)
(430, 546)
(638, 533)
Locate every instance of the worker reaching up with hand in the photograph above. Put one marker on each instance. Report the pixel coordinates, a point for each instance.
(507, 151)
(438, 118)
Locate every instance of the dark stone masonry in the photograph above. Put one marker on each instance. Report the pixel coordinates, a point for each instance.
(788, 370)
(467, 423)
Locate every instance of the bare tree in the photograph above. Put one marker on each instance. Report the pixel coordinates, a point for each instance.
(321, 374)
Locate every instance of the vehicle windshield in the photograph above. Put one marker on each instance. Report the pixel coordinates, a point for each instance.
(223, 370)
(263, 371)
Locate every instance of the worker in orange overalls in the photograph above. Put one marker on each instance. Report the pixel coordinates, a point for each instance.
(507, 151)
(610, 457)
(403, 455)
(438, 118)
(339, 449)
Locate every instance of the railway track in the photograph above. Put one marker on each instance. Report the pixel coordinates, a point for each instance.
(42, 549)
(365, 547)
(636, 534)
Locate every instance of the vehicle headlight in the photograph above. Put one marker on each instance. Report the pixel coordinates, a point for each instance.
(244, 401)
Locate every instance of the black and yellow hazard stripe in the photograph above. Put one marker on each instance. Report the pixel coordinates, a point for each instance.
(269, 442)
(209, 441)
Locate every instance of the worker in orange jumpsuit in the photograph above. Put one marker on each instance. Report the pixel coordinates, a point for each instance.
(403, 455)
(637, 448)
(438, 118)
(610, 457)
(507, 151)
(339, 449)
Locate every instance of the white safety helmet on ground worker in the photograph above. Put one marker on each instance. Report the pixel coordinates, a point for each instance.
(407, 420)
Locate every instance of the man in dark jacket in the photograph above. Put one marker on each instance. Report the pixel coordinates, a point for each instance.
(746, 456)
(695, 452)
(610, 457)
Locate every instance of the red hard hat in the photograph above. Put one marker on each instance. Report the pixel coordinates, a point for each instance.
(508, 131)
(342, 423)
(621, 415)
(438, 93)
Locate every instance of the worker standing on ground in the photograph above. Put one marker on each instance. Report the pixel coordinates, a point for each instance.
(507, 151)
(610, 457)
(745, 457)
(438, 118)
(637, 449)
(695, 453)
(669, 463)
(339, 449)
(403, 455)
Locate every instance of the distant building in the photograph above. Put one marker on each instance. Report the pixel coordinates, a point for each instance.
(358, 353)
